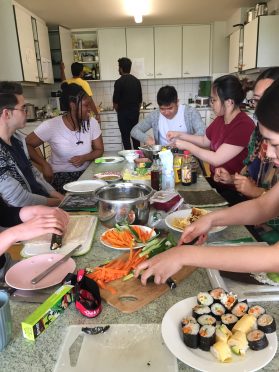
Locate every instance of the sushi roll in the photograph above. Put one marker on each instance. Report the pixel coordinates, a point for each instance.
(238, 343)
(221, 351)
(206, 319)
(217, 310)
(205, 299)
(257, 340)
(199, 310)
(229, 300)
(222, 333)
(240, 309)
(207, 337)
(229, 320)
(266, 323)
(216, 294)
(191, 335)
(256, 310)
(187, 320)
(246, 324)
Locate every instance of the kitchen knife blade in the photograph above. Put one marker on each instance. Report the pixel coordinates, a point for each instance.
(39, 277)
(74, 350)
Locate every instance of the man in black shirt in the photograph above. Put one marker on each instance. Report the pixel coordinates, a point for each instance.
(127, 98)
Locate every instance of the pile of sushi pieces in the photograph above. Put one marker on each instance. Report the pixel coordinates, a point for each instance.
(222, 325)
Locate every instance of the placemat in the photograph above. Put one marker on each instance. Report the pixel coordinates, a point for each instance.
(79, 202)
(203, 198)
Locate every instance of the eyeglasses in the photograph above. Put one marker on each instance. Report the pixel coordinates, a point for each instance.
(23, 109)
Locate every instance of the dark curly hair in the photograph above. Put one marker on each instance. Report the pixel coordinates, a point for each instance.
(74, 93)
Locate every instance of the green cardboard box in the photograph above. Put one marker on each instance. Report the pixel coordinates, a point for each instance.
(37, 322)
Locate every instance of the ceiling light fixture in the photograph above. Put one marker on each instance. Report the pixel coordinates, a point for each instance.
(137, 8)
(138, 18)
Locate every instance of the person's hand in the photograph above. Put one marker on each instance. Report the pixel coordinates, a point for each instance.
(198, 229)
(98, 118)
(77, 161)
(173, 134)
(39, 225)
(179, 144)
(223, 176)
(162, 266)
(150, 141)
(247, 186)
(57, 195)
(29, 212)
(47, 172)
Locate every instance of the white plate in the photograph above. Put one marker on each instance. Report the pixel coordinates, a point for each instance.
(123, 348)
(205, 361)
(20, 275)
(110, 159)
(183, 213)
(105, 176)
(84, 185)
(138, 245)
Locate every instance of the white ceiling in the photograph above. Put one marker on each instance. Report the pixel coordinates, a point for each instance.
(109, 13)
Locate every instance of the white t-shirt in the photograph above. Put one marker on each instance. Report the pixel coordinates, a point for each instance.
(177, 123)
(63, 143)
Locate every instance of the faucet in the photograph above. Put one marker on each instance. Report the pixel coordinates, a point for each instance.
(145, 105)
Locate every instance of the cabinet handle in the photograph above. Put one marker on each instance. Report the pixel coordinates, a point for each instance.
(149, 74)
(159, 74)
(186, 73)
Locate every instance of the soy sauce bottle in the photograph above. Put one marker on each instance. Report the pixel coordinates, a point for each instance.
(156, 173)
(186, 171)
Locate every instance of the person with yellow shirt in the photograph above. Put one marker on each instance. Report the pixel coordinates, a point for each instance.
(77, 72)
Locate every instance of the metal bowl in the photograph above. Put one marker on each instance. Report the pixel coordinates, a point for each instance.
(124, 203)
(150, 150)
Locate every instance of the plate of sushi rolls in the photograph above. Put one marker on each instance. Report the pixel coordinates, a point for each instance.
(214, 331)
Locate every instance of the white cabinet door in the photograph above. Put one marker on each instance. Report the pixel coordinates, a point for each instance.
(112, 46)
(250, 44)
(26, 44)
(168, 52)
(10, 61)
(43, 39)
(140, 49)
(196, 50)
(234, 52)
(66, 50)
(268, 54)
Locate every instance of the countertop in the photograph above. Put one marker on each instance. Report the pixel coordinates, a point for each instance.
(41, 355)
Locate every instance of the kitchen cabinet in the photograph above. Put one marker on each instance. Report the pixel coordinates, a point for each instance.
(112, 46)
(26, 44)
(168, 52)
(85, 51)
(196, 50)
(110, 132)
(61, 49)
(24, 39)
(234, 52)
(140, 49)
(260, 47)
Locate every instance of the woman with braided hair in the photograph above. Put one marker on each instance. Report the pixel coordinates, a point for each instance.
(75, 139)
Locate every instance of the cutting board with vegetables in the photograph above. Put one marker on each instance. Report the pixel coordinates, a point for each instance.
(132, 295)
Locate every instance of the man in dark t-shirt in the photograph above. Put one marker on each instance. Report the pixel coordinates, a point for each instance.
(127, 98)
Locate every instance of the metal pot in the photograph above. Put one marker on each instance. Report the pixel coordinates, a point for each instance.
(150, 150)
(124, 203)
(31, 112)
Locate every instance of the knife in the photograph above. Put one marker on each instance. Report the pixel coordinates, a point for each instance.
(39, 277)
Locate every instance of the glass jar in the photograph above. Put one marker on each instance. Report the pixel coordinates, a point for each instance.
(156, 173)
(186, 171)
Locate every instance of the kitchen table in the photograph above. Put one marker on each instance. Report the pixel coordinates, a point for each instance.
(41, 355)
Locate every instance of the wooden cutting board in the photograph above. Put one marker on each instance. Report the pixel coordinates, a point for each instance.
(132, 295)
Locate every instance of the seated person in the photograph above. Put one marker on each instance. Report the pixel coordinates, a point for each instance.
(77, 72)
(28, 223)
(75, 139)
(239, 259)
(20, 183)
(258, 173)
(170, 116)
(226, 139)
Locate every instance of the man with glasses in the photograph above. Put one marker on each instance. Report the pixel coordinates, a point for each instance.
(171, 116)
(20, 183)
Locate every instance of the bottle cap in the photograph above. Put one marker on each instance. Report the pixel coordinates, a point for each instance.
(186, 152)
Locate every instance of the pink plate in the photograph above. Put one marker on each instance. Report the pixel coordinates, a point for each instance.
(19, 276)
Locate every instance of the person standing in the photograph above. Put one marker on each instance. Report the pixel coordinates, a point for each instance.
(77, 72)
(127, 99)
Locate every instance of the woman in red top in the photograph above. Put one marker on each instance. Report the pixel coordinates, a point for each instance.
(226, 139)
